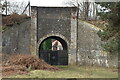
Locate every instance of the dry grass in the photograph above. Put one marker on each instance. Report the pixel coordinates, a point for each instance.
(72, 72)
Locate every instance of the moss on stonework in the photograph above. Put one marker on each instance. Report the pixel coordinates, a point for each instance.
(4, 28)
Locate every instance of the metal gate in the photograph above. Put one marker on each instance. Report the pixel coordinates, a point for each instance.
(59, 57)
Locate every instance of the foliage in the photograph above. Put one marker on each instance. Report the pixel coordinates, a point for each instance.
(13, 19)
(105, 35)
(110, 12)
(98, 23)
(47, 45)
(111, 41)
(111, 46)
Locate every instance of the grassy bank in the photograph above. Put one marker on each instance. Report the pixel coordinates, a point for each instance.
(72, 72)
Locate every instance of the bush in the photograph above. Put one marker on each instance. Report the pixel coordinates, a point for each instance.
(13, 19)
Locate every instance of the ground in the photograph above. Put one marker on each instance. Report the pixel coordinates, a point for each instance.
(22, 64)
(30, 66)
(72, 72)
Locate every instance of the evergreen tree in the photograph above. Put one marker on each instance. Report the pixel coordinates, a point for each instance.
(110, 12)
(47, 45)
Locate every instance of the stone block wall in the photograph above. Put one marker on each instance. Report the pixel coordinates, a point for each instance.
(90, 51)
(53, 20)
(16, 39)
(84, 45)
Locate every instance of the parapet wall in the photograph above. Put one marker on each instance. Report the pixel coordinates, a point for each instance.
(16, 39)
(90, 51)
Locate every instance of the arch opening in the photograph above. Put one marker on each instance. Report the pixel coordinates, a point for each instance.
(54, 50)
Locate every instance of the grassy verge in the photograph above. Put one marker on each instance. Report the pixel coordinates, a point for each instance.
(72, 72)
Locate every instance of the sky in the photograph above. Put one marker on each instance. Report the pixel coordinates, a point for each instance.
(53, 2)
(42, 3)
(45, 2)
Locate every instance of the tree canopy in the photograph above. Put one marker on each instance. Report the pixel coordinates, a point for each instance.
(110, 12)
(46, 45)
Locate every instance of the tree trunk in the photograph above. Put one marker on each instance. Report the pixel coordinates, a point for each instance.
(86, 10)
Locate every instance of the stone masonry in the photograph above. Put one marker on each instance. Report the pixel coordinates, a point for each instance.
(83, 43)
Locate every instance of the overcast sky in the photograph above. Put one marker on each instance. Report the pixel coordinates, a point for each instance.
(45, 2)
(53, 2)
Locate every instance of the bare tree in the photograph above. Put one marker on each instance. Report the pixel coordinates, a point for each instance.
(87, 9)
(10, 7)
(86, 6)
(3, 6)
(93, 11)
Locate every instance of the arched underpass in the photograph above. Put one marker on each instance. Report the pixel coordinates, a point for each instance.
(57, 54)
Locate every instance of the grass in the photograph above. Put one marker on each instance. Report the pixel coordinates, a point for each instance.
(72, 72)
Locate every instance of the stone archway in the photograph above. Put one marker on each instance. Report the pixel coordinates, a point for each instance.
(54, 21)
(60, 56)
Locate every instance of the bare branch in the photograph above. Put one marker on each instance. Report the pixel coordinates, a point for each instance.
(86, 8)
